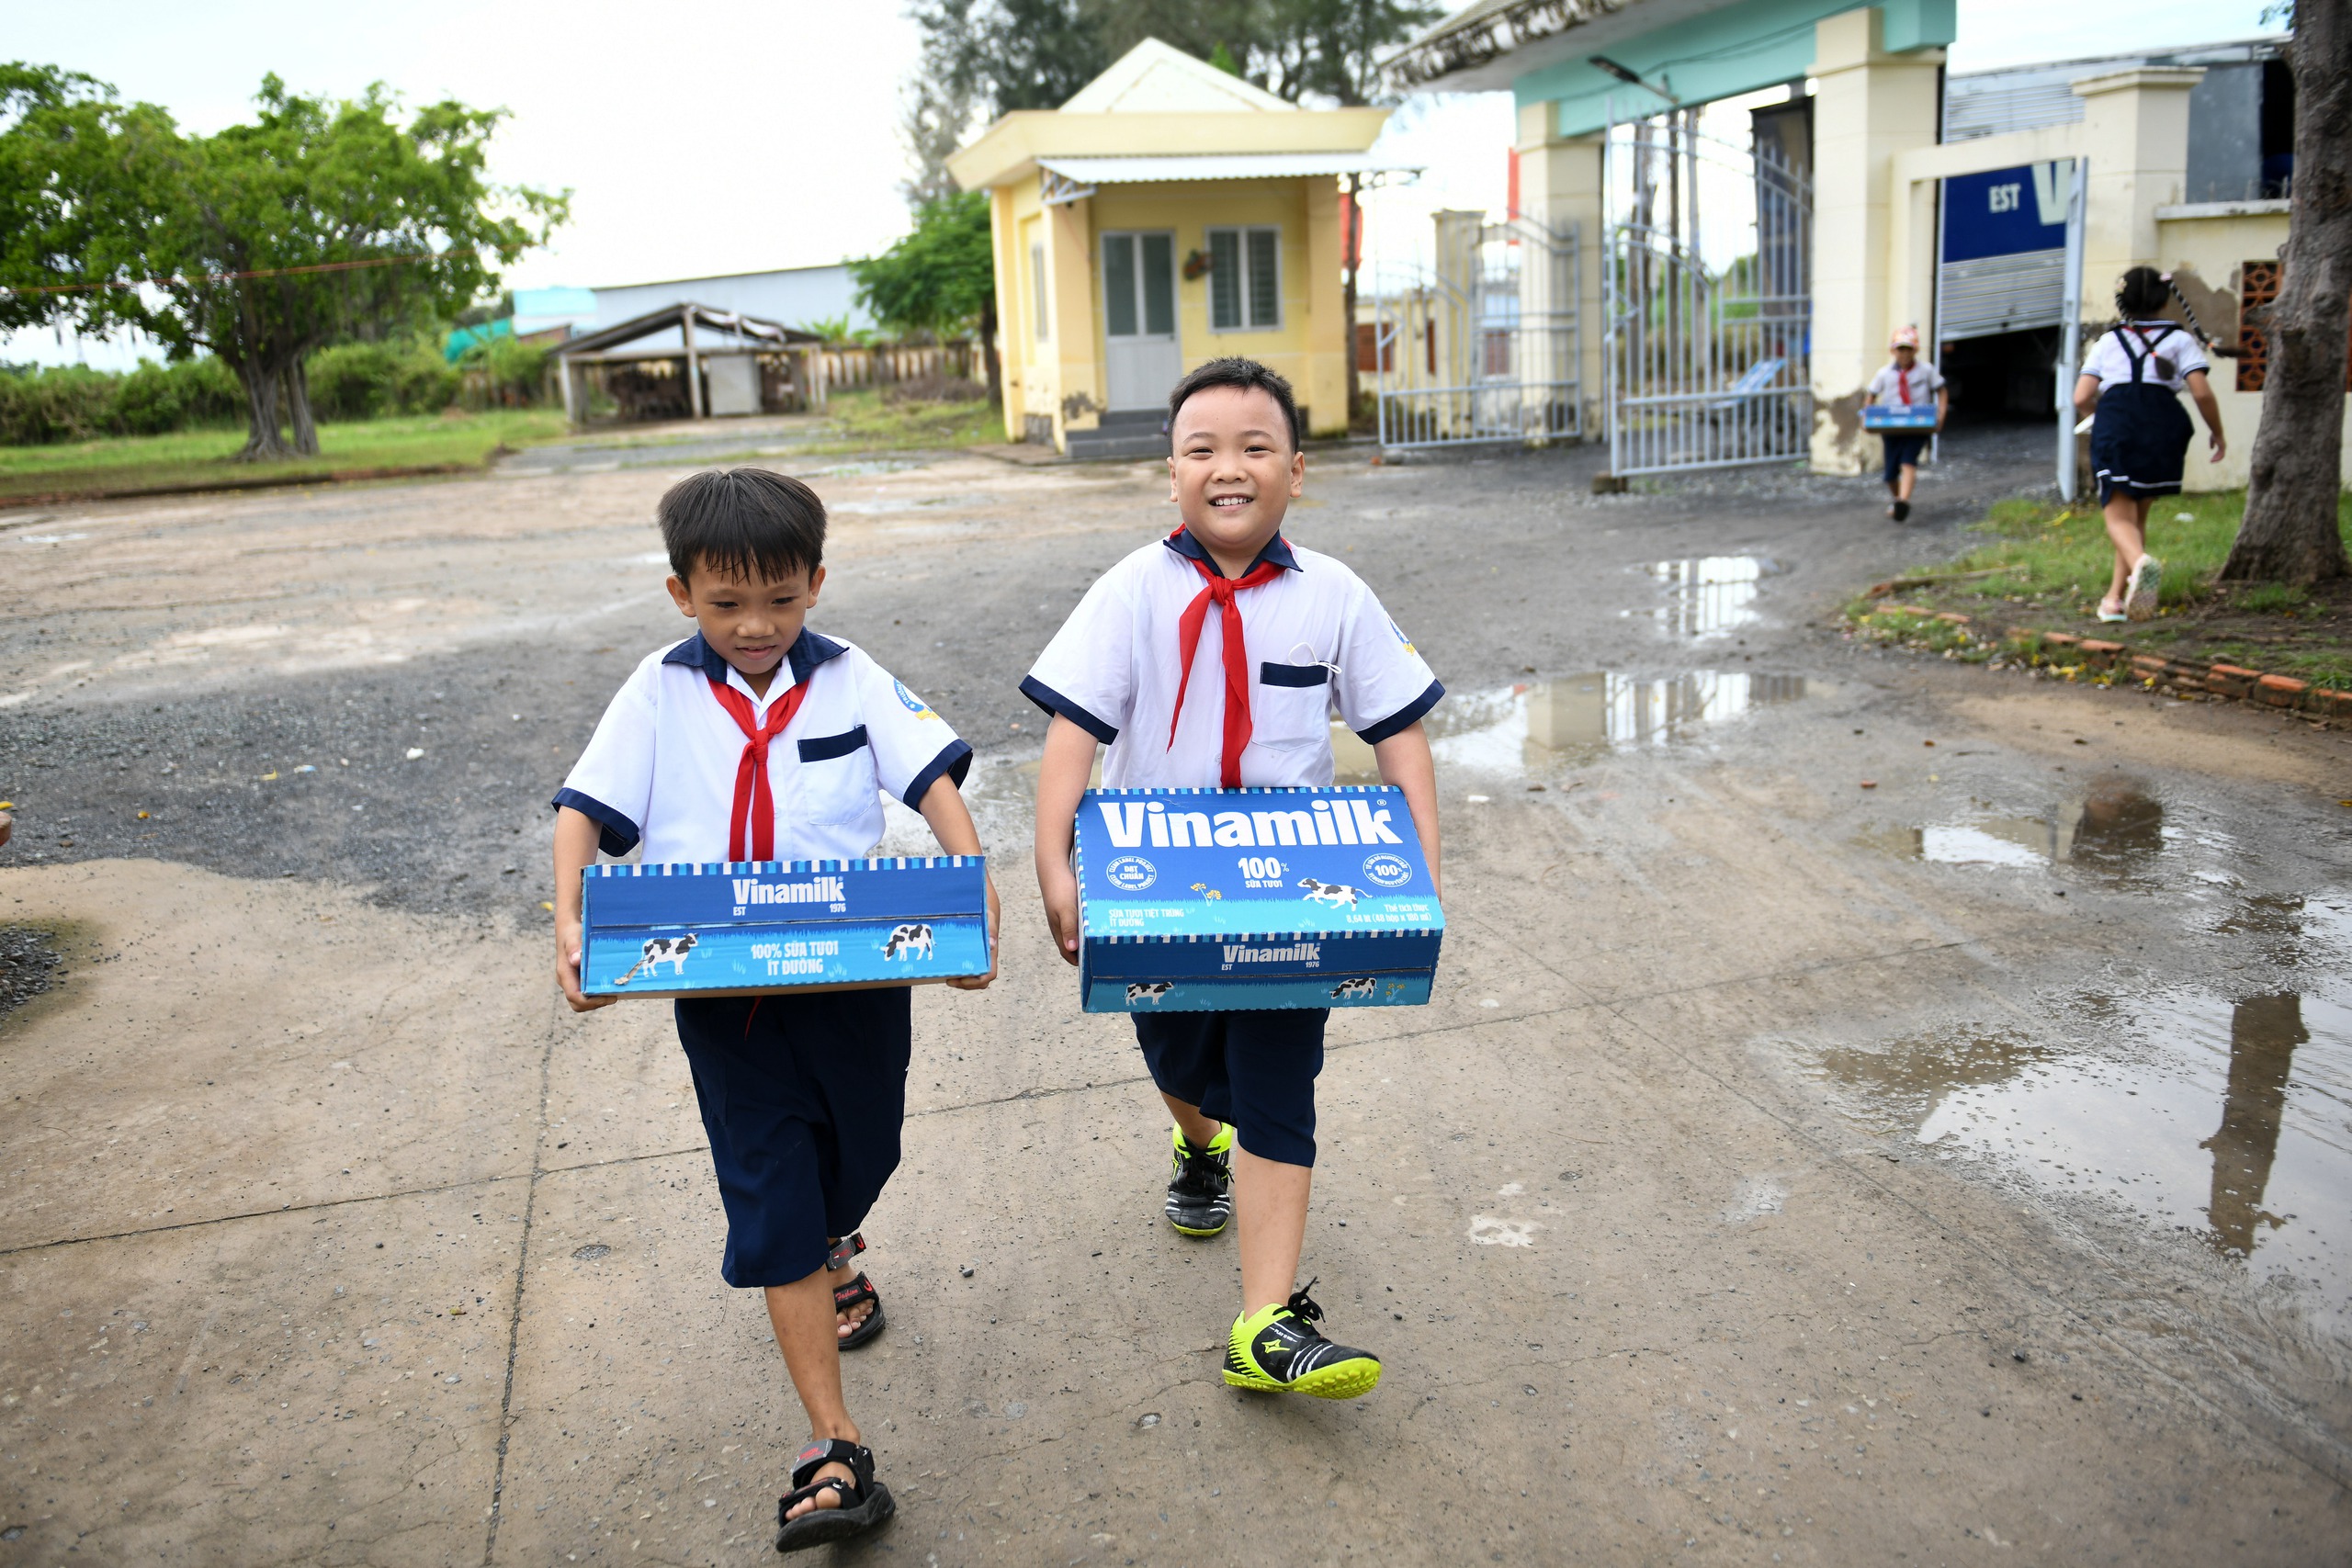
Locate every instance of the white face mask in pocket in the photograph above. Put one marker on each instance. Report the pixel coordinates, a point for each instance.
(1291, 701)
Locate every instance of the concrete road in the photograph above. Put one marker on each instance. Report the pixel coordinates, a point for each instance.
(1955, 1170)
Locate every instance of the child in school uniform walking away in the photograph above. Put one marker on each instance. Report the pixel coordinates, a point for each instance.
(2130, 387)
(757, 739)
(1907, 381)
(1212, 659)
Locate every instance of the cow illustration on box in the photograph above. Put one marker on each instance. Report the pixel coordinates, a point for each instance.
(1335, 894)
(1149, 991)
(669, 949)
(908, 939)
(1348, 990)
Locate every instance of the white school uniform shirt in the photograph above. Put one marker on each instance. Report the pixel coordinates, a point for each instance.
(2111, 363)
(1897, 387)
(661, 768)
(1317, 639)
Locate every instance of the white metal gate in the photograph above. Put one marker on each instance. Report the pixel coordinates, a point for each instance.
(1483, 345)
(1707, 366)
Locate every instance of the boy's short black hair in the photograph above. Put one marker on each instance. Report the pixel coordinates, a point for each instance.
(1246, 374)
(744, 523)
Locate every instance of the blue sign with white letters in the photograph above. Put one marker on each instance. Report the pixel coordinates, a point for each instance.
(1198, 900)
(2007, 212)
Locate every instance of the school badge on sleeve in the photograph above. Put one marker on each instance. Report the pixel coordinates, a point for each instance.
(757, 927)
(1203, 899)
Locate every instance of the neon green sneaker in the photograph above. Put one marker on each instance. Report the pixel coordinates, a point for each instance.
(1200, 1189)
(1277, 1349)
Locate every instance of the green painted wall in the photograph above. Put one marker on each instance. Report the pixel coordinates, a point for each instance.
(1757, 44)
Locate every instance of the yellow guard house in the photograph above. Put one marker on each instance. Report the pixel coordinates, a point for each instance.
(1169, 214)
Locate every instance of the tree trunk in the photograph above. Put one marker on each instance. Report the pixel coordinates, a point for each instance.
(263, 441)
(987, 354)
(2291, 532)
(298, 408)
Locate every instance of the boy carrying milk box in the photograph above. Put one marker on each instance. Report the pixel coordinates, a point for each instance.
(1211, 658)
(757, 741)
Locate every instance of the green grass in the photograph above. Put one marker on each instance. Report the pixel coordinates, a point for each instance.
(863, 422)
(204, 456)
(2044, 567)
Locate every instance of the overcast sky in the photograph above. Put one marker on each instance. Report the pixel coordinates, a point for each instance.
(712, 136)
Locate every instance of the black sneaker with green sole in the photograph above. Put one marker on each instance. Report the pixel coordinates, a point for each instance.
(1200, 1184)
(1276, 1349)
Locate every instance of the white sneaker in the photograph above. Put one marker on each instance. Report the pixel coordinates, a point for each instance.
(2110, 611)
(2140, 591)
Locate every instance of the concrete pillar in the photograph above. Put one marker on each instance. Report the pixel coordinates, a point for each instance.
(1329, 335)
(1560, 187)
(1869, 106)
(1004, 247)
(1456, 264)
(2136, 142)
(1069, 273)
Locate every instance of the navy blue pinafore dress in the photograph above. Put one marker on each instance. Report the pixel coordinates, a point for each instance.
(2140, 433)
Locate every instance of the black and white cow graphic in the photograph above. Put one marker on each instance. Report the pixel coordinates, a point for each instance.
(671, 950)
(1346, 990)
(1149, 991)
(1337, 895)
(907, 940)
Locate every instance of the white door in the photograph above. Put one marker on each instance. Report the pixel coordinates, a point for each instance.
(1139, 319)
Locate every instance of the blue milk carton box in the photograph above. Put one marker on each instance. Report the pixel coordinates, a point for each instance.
(1209, 900)
(753, 927)
(1912, 418)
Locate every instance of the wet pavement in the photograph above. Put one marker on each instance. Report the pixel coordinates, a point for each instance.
(1873, 1109)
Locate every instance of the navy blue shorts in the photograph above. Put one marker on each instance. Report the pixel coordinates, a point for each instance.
(802, 1097)
(1902, 452)
(1254, 1069)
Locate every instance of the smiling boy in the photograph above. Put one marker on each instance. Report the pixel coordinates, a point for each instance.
(1212, 659)
(757, 739)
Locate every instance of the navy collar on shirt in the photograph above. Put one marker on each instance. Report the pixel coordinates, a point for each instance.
(807, 651)
(1277, 550)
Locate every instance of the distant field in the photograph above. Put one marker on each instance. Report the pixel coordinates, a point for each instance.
(203, 456)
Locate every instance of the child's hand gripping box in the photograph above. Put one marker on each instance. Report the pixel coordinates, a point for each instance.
(754, 928)
(1900, 418)
(1204, 899)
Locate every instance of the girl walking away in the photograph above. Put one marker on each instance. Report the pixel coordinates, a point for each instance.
(2130, 387)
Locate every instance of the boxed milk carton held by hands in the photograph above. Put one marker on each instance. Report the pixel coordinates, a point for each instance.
(1196, 900)
(756, 928)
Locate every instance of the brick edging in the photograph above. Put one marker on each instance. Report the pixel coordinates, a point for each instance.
(2153, 671)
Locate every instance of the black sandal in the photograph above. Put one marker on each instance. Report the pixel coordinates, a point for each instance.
(856, 1292)
(864, 1502)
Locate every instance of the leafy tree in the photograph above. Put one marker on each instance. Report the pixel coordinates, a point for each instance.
(940, 280)
(2290, 534)
(318, 222)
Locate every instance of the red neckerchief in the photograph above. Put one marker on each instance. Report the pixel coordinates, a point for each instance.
(1903, 386)
(753, 797)
(1221, 589)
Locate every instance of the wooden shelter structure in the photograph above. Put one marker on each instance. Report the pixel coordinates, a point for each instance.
(690, 361)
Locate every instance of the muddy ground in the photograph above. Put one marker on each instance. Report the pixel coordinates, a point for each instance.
(1956, 1169)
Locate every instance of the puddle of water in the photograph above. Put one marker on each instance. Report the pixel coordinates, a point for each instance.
(2115, 825)
(1709, 595)
(2230, 1120)
(1575, 718)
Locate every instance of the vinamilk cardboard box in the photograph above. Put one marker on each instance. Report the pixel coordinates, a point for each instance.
(1196, 900)
(756, 928)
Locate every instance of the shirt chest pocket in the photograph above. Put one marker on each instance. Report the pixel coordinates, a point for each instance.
(1293, 705)
(835, 782)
